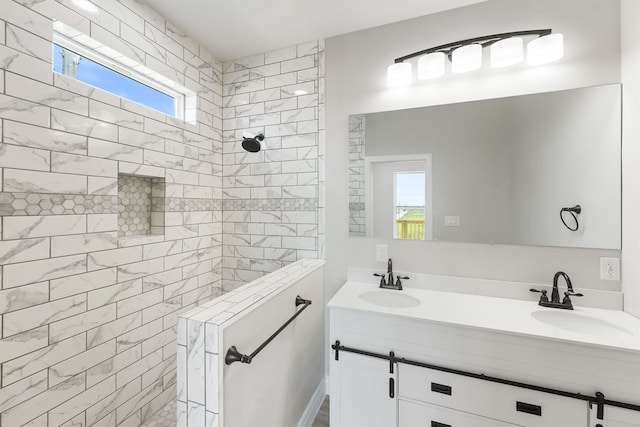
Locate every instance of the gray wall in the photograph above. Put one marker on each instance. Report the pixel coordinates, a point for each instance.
(356, 83)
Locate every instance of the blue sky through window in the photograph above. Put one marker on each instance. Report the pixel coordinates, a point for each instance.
(98, 75)
(410, 189)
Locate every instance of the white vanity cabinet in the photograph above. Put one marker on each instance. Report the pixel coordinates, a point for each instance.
(363, 391)
(616, 417)
(445, 345)
(493, 401)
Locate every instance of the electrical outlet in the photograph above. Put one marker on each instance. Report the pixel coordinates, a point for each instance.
(382, 253)
(609, 268)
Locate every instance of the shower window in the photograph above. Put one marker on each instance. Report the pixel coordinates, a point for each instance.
(83, 64)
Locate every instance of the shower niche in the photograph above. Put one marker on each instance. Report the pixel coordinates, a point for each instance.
(140, 205)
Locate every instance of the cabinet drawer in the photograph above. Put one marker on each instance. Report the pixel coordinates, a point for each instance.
(412, 414)
(512, 404)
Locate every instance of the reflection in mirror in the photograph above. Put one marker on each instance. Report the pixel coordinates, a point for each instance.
(492, 171)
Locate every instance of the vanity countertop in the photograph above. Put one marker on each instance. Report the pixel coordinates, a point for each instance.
(587, 326)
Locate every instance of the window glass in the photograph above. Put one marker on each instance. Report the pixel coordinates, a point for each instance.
(410, 205)
(92, 73)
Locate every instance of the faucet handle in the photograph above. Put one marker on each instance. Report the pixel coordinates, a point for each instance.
(382, 281)
(398, 280)
(543, 297)
(573, 294)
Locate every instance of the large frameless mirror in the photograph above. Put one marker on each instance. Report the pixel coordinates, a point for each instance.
(542, 169)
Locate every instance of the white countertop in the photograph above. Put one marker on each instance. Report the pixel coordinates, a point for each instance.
(501, 315)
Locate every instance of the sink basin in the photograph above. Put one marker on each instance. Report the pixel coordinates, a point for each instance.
(392, 299)
(579, 323)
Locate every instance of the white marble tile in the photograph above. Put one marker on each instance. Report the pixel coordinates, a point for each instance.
(21, 344)
(21, 367)
(22, 181)
(141, 170)
(81, 323)
(40, 315)
(13, 156)
(140, 269)
(74, 365)
(27, 19)
(140, 139)
(22, 390)
(109, 404)
(37, 137)
(82, 243)
(23, 111)
(81, 283)
(83, 165)
(23, 250)
(80, 403)
(113, 293)
(43, 402)
(113, 258)
(113, 329)
(195, 362)
(104, 186)
(115, 115)
(139, 302)
(102, 222)
(23, 64)
(45, 94)
(38, 271)
(81, 125)
(114, 151)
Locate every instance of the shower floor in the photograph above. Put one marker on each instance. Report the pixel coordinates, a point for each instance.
(167, 416)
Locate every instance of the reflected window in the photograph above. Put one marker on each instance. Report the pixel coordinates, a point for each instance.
(409, 205)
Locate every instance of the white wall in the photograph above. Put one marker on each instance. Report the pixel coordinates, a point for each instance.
(631, 155)
(356, 73)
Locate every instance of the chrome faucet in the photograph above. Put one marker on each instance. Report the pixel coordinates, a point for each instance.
(555, 293)
(388, 282)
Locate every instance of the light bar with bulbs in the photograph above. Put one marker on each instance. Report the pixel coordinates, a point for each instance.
(507, 49)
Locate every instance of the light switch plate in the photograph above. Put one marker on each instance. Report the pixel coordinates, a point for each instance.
(382, 253)
(452, 221)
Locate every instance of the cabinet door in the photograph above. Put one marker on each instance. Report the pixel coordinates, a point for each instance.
(412, 414)
(615, 417)
(360, 392)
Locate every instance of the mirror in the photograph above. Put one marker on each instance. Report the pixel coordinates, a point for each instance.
(507, 170)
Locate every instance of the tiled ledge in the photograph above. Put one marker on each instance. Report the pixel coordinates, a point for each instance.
(228, 305)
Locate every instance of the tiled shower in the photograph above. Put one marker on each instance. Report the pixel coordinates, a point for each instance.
(92, 286)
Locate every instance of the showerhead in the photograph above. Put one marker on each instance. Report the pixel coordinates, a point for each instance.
(252, 145)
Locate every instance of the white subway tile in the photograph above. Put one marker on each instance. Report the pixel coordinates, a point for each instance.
(141, 170)
(22, 390)
(24, 343)
(114, 151)
(40, 315)
(102, 222)
(82, 243)
(23, 250)
(81, 283)
(23, 111)
(81, 125)
(43, 182)
(80, 403)
(27, 19)
(25, 65)
(21, 227)
(21, 367)
(37, 271)
(80, 323)
(45, 94)
(140, 139)
(23, 297)
(48, 139)
(113, 329)
(13, 156)
(74, 365)
(83, 165)
(115, 115)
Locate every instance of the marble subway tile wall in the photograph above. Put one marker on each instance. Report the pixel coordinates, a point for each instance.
(357, 223)
(88, 318)
(273, 200)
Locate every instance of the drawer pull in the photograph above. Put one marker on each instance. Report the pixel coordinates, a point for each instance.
(437, 424)
(528, 408)
(392, 388)
(441, 388)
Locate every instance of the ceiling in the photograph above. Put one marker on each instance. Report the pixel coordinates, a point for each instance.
(233, 29)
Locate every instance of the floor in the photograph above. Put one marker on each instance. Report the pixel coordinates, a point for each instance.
(167, 417)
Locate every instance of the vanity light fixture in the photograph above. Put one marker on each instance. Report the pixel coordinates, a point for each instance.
(506, 49)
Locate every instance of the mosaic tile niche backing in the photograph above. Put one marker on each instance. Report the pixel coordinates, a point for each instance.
(136, 216)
